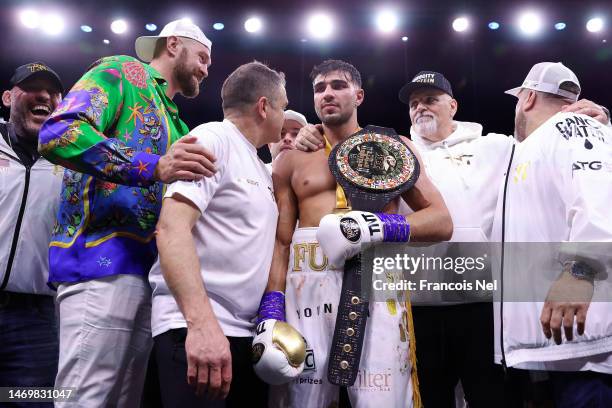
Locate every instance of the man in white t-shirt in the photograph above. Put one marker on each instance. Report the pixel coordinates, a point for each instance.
(215, 238)
(556, 196)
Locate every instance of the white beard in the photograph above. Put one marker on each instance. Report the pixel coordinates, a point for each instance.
(426, 127)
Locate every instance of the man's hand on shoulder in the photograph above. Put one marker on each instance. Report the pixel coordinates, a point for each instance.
(310, 138)
(589, 108)
(185, 160)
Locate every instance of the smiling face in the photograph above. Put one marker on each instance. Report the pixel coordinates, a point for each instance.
(191, 67)
(336, 97)
(31, 103)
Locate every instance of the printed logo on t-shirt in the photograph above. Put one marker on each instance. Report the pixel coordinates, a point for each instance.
(579, 127)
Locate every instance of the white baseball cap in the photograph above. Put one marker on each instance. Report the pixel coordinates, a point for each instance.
(145, 45)
(298, 117)
(548, 77)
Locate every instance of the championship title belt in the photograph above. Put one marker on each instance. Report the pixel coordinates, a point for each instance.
(372, 166)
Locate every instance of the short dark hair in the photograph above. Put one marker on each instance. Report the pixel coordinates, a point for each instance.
(248, 83)
(331, 65)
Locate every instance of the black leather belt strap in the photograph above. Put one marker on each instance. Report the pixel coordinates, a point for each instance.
(373, 166)
(350, 328)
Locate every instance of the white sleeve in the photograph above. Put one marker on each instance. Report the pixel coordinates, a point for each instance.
(200, 192)
(582, 160)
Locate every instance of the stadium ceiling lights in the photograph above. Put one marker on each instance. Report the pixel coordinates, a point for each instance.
(30, 18)
(320, 25)
(119, 26)
(52, 24)
(595, 25)
(461, 24)
(530, 23)
(253, 25)
(386, 21)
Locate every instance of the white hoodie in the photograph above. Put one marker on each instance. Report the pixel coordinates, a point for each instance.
(559, 192)
(467, 168)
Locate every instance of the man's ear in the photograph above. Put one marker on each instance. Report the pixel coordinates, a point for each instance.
(359, 95)
(173, 45)
(262, 107)
(530, 100)
(454, 106)
(6, 99)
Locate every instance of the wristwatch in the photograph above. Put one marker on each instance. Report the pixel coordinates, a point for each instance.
(579, 270)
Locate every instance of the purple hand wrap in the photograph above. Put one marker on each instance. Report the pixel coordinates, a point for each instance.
(272, 306)
(396, 227)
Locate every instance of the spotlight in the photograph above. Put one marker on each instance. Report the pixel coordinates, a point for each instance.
(303, 40)
(52, 24)
(30, 18)
(404, 38)
(320, 25)
(560, 26)
(595, 25)
(105, 41)
(86, 29)
(494, 25)
(118, 26)
(253, 25)
(386, 21)
(461, 24)
(530, 23)
(218, 26)
(151, 27)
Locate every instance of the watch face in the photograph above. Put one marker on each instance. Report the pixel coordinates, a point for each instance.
(375, 161)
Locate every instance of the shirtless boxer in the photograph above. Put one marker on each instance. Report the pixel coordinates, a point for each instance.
(305, 192)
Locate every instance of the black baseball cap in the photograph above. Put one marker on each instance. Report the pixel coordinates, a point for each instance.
(35, 68)
(425, 79)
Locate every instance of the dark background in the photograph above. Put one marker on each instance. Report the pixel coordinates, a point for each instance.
(480, 64)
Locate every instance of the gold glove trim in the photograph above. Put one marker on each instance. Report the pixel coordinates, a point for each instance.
(290, 341)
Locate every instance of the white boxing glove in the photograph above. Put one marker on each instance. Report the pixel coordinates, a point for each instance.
(340, 236)
(279, 351)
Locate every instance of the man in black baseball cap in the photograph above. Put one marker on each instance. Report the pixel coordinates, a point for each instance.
(29, 200)
(35, 92)
(425, 79)
(36, 69)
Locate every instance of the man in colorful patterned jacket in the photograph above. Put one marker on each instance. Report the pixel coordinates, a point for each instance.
(119, 135)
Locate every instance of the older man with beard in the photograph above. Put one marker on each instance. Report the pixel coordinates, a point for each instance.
(29, 198)
(118, 133)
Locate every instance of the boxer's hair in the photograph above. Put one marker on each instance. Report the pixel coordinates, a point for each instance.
(331, 65)
(248, 83)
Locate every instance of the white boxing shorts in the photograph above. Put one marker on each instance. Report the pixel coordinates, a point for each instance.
(312, 296)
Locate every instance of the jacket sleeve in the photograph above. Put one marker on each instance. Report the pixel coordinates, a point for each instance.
(582, 159)
(76, 135)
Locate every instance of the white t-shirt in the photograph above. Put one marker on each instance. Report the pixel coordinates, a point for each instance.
(234, 236)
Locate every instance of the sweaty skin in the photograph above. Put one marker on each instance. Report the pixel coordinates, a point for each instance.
(305, 189)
